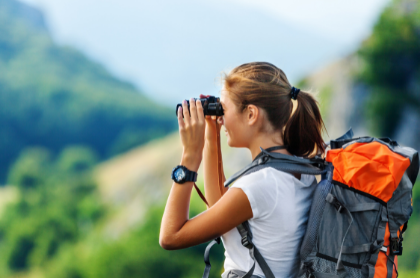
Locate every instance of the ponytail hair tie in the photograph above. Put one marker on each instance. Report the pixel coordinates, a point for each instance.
(294, 92)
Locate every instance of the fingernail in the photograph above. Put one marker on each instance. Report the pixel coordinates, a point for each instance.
(184, 101)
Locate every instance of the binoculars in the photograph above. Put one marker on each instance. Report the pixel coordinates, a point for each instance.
(211, 106)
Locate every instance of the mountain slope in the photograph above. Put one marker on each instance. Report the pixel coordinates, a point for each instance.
(54, 96)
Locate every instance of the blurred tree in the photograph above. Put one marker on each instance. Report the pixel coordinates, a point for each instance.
(391, 69)
(391, 57)
(76, 159)
(59, 204)
(30, 168)
(136, 254)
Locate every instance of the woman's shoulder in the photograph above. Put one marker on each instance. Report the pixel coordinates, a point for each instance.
(271, 176)
(262, 176)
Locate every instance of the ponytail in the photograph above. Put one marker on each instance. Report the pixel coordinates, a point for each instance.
(303, 131)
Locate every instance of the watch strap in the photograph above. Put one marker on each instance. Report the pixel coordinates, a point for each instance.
(190, 175)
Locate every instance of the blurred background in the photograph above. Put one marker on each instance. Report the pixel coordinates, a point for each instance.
(88, 133)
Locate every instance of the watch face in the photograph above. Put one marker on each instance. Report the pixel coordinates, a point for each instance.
(179, 174)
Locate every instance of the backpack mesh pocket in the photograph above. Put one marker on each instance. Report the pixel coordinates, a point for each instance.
(315, 215)
(325, 266)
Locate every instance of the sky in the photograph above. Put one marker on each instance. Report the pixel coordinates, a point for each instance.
(173, 50)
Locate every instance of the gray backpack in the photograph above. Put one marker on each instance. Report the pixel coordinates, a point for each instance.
(354, 228)
(360, 210)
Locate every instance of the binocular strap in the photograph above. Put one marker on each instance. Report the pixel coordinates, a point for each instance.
(219, 160)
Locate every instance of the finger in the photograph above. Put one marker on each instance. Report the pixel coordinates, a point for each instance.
(180, 119)
(200, 112)
(208, 119)
(220, 121)
(193, 111)
(185, 112)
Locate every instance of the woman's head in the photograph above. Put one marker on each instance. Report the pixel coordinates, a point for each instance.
(263, 85)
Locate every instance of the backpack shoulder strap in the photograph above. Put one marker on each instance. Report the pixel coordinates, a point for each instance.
(246, 241)
(281, 162)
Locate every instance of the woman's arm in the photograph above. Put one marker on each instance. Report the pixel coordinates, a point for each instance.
(211, 178)
(177, 231)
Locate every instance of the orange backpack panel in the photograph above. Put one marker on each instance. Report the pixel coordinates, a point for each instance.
(371, 168)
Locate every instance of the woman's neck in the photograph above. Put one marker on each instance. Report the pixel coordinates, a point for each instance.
(265, 141)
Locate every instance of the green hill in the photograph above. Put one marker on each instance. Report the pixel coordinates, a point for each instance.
(54, 96)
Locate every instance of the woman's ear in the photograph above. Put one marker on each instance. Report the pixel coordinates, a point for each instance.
(252, 114)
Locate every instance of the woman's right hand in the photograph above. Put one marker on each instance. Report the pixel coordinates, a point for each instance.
(211, 130)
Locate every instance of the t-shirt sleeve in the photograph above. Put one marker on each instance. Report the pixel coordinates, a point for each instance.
(261, 192)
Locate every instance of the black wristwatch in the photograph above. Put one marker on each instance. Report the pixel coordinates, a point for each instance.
(180, 174)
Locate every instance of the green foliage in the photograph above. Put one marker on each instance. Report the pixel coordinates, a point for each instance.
(30, 168)
(137, 254)
(410, 260)
(391, 69)
(408, 274)
(58, 205)
(76, 159)
(54, 227)
(53, 96)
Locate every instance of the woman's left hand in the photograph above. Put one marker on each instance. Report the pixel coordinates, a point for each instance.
(192, 130)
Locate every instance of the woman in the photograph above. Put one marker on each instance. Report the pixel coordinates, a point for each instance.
(258, 112)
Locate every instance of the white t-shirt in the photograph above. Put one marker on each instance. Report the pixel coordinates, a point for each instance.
(280, 205)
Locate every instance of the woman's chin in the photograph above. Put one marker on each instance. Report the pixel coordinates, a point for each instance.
(229, 142)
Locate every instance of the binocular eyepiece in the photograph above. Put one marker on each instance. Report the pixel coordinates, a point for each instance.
(211, 106)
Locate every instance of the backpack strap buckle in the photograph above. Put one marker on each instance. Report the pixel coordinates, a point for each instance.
(307, 267)
(396, 246)
(334, 201)
(246, 235)
(246, 242)
(383, 249)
